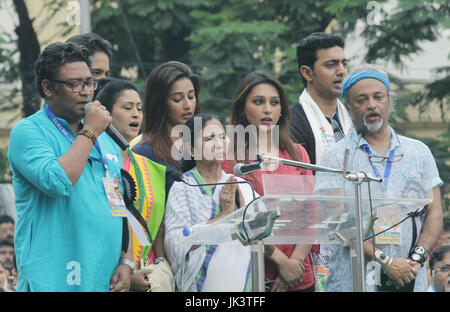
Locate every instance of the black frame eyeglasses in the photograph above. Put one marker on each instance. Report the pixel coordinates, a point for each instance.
(380, 159)
(395, 158)
(78, 85)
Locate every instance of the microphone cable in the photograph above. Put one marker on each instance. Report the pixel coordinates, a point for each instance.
(410, 215)
(177, 176)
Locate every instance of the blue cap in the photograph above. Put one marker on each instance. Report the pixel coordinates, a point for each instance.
(354, 78)
(186, 232)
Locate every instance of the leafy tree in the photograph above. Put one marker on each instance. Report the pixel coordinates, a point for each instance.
(145, 33)
(233, 38)
(224, 40)
(28, 49)
(400, 32)
(5, 173)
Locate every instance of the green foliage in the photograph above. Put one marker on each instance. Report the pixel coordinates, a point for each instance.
(233, 38)
(224, 40)
(9, 69)
(228, 45)
(5, 173)
(221, 40)
(440, 148)
(404, 26)
(144, 33)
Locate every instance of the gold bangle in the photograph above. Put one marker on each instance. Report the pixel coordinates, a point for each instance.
(89, 134)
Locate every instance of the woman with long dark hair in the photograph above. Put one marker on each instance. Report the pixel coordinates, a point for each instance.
(171, 98)
(260, 103)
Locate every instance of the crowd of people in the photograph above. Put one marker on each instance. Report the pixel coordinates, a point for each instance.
(94, 217)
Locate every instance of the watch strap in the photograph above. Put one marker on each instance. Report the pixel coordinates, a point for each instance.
(87, 133)
(421, 250)
(422, 254)
(381, 257)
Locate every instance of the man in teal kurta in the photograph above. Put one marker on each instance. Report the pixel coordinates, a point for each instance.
(67, 238)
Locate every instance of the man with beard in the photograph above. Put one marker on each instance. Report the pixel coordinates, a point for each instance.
(6, 227)
(407, 168)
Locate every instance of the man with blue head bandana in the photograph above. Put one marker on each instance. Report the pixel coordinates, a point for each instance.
(406, 167)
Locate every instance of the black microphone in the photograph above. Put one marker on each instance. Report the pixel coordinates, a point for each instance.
(362, 130)
(113, 133)
(241, 169)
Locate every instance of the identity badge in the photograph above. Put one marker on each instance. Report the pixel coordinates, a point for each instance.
(388, 217)
(112, 157)
(115, 198)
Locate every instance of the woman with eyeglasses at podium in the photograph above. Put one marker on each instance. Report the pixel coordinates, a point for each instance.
(220, 267)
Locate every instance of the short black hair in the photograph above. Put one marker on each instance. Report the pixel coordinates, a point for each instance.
(110, 89)
(307, 48)
(56, 55)
(93, 42)
(438, 255)
(6, 219)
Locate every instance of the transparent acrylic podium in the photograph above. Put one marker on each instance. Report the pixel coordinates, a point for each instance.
(297, 210)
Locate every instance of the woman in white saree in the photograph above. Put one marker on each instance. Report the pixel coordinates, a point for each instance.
(219, 268)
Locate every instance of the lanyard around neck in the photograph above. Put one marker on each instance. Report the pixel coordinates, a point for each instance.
(64, 131)
(387, 171)
(337, 115)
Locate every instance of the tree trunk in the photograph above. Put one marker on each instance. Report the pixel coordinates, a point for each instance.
(29, 49)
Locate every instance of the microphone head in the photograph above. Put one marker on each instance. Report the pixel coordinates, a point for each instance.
(177, 176)
(362, 130)
(237, 169)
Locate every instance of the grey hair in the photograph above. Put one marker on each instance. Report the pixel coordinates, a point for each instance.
(391, 94)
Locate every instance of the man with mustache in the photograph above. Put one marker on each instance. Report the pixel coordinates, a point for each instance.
(440, 269)
(68, 234)
(408, 170)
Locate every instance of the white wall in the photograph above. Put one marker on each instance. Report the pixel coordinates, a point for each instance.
(418, 67)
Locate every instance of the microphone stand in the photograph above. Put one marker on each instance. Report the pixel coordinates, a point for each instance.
(356, 246)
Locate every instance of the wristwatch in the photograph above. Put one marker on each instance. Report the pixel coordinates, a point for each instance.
(89, 134)
(381, 257)
(131, 264)
(419, 255)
